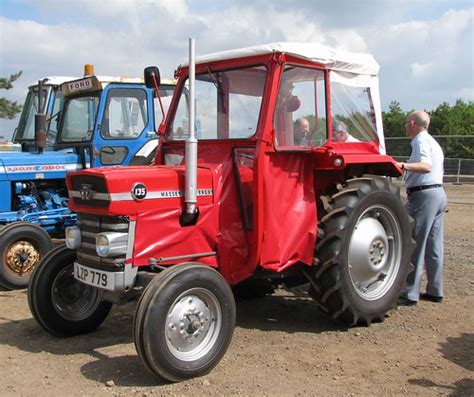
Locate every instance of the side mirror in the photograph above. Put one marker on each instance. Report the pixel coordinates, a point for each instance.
(152, 77)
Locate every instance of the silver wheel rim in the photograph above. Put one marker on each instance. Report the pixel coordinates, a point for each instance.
(73, 300)
(193, 324)
(375, 252)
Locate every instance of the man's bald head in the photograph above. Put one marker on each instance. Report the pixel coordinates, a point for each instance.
(416, 122)
(420, 118)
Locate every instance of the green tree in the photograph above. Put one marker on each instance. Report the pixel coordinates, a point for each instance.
(453, 122)
(9, 109)
(394, 120)
(394, 126)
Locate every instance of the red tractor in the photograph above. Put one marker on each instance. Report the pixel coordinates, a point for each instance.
(290, 184)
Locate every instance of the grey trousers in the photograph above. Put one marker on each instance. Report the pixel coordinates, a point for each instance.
(427, 207)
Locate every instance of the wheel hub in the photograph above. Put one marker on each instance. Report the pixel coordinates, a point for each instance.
(368, 249)
(194, 322)
(377, 253)
(188, 323)
(73, 300)
(21, 257)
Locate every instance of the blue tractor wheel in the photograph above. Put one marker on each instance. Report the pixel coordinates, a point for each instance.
(22, 246)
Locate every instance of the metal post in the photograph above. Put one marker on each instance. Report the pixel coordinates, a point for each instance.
(459, 171)
(190, 197)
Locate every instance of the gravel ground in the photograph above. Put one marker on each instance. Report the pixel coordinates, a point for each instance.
(282, 345)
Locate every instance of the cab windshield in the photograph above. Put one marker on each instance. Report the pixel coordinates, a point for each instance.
(227, 104)
(79, 118)
(26, 126)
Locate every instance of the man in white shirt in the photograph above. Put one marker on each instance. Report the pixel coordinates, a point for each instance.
(426, 204)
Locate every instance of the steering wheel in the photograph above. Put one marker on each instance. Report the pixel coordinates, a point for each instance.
(108, 150)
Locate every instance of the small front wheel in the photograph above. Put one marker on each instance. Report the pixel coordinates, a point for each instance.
(61, 304)
(184, 322)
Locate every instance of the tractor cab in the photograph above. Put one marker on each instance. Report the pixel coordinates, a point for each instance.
(236, 90)
(52, 99)
(111, 120)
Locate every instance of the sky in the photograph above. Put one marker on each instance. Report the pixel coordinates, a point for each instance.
(424, 47)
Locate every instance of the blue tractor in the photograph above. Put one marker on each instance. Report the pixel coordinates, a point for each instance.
(104, 121)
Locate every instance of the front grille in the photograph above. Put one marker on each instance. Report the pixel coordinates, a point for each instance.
(96, 186)
(90, 226)
(97, 182)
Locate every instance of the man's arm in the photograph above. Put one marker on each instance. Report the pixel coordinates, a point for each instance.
(420, 168)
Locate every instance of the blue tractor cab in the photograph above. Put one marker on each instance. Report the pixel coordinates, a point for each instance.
(53, 100)
(104, 121)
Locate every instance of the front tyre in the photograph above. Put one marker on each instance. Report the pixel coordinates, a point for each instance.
(61, 304)
(364, 257)
(184, 322)
(22, 246)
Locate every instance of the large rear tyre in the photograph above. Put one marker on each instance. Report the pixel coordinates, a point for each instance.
(363, 260)
(61, 304)
(184, 322)
(22, 246)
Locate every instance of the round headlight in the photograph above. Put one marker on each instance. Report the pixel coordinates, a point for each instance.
(73, 237)
(102, 245)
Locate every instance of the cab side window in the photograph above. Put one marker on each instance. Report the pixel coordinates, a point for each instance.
(55, 114)
(353, 114)
(300, 114)
(125, 114)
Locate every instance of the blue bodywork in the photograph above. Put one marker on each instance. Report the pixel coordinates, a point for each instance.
(33, 190)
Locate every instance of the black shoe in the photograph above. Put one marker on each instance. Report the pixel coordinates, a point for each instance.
(402, 301)
(431, 298)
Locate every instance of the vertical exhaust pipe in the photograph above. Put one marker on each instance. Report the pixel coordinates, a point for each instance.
(41, 123)
(190, 196)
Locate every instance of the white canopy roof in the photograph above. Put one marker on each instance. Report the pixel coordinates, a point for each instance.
(340, 60)
(54, 80)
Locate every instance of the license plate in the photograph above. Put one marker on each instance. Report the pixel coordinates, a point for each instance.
(94, 277)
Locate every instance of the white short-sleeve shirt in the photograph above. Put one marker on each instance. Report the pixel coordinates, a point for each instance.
(425, 149)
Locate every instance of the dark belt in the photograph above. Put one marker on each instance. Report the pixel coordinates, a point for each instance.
(410, 190)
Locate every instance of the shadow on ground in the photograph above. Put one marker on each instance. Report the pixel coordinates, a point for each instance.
(460, 351)
(28, 335)
(127, 371)
(286, 313)
(463, 387)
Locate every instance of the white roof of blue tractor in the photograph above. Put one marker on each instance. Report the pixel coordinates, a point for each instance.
(54, 80)
(96, 83)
